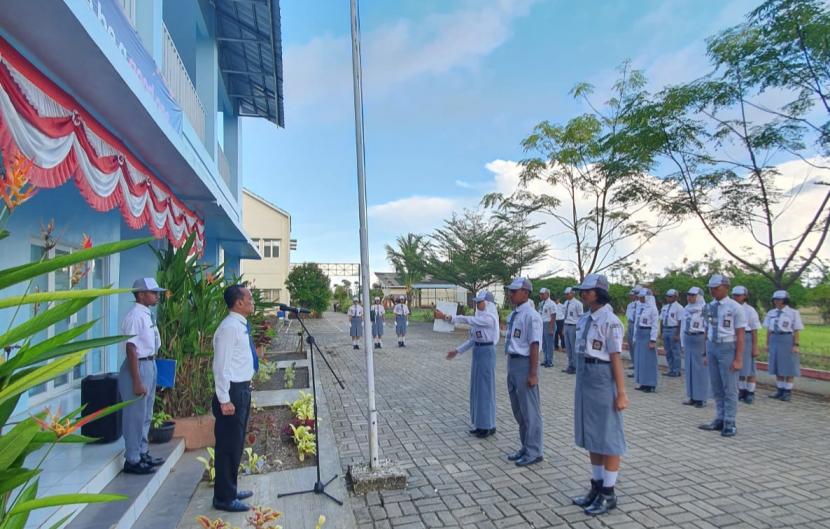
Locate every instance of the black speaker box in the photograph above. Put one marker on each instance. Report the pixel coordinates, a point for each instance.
(98, 392)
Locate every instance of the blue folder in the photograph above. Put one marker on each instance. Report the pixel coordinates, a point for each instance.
(166, 372)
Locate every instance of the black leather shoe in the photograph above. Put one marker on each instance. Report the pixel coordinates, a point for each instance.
(379, 346)
(714, 426)
(515, 456)
(526, 461)
(787, 395)
(777, 394)
(602, 504)
(588, 499)
(631, 375)
(729, 430)
(355, 347)
(244, 494)
(689, 402)
(138, 468)
(147, 459)
(741, 394)
(571, 370)
(475, 431)
(485, 433)
(649, 389)
(565, 370)
(750, 397)
(700, 403)
(231, 506)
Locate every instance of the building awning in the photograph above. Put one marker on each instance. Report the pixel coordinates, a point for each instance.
(250, 56)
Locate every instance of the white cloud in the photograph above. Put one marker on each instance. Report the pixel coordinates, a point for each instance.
(416, 214)
(400, 51)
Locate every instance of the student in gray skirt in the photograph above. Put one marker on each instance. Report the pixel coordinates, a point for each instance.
(377, 314)
(783, 325)
(693, 345)
(599, 396)
(746, 376)
(355, 314)
(401, 312)
(484, 335)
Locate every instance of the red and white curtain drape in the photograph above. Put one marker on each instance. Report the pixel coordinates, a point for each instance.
(47, 126)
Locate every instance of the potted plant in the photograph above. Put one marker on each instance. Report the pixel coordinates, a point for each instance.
(161, 428)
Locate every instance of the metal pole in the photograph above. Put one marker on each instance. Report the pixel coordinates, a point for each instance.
(364, 236)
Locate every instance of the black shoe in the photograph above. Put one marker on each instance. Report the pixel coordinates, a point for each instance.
(138, 468)
(588, 499)
(244, 494)
(565, 370)
(485, 433)
(741, 394)
(571, 370)
(689, 402)
(787, 395)
(667, 374)
(639, 388)
(149, 460)
(714, 426)
(526, 461)
(631, 375)
(750, 397)
(649, 389)
(475, 431)
(515, 456)
(604, 502)
(729, 430)
(355, 347)
(231, 506)
(700, 404)
(777, 394)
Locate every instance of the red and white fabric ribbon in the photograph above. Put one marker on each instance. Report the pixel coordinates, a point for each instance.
(64, 141)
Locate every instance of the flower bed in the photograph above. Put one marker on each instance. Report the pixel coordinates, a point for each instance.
(265, 437)
(277, 381)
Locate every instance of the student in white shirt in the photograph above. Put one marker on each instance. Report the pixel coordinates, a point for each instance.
(355, 314)
(573, 311)
(547, 310)
(377, 314)
(783, 325)
(401, 312)
(233, 368)
(746, 376)
(559, 338)
(670, 328)
(484, 335)
(645, 341)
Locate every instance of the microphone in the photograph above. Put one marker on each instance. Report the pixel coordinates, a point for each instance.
(296, 310)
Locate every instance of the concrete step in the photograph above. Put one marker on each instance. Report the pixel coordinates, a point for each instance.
(171, 501)
(138, 489)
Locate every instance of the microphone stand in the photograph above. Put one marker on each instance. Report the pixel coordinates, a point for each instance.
(319, 486)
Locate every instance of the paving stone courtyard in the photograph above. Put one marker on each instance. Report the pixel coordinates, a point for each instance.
(773, 474)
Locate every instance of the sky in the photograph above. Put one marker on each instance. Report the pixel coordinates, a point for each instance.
(451, 87)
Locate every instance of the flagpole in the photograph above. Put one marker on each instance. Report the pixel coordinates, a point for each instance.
(364, 235)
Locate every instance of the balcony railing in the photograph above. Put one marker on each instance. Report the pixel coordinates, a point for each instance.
(180, 85)
(224, 166)
(129, 9)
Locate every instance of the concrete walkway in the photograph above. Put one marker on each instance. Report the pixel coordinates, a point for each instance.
(773, 474)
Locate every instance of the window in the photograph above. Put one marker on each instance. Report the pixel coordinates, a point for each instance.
(271, 294)
(271, 248)
(82, 276)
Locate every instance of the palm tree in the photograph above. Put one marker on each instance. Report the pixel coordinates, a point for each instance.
(409, 259)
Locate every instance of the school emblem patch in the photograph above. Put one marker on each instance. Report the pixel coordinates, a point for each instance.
(596, 345)
(517, 333)
(478, 334)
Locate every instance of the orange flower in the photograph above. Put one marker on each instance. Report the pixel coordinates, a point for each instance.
(15, 187)
(207, 523)
(261, 518)
(63, 426)
(86, 242)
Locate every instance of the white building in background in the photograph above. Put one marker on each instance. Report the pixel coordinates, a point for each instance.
(269, 227)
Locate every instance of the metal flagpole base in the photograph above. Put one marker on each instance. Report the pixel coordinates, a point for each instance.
(319, 488)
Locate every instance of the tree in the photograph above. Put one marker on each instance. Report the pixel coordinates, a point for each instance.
(474, 252)
(342, 297)
(309, 287)
(718, 137)
(592, 159)
(409, 259)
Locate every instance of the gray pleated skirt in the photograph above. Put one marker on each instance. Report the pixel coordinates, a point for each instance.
(377, 327)
(598, 426)
(483, 387)
(782, 361)
(645, 373)
(748, 367)
(357, 328)
(698, 382)
(400, 324)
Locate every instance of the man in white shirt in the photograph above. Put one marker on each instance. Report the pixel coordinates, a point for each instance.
(137, 377)
(573, 311)
(559, 337)
(670, 327)
(234, 364)
(724, 350)
(547, 310)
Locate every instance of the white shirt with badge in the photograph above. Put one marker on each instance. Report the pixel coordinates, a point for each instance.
(670, 315)
(233, 360)
(605, 334)
(401, 310)
(138, 323)
(647, 318)
(731, 316)
(525, 328)
(573, 310)
(547, 309)
(379, 311)
(484, 328)
(784, 320)
(355, 311)
(753, 321)
(560, 311)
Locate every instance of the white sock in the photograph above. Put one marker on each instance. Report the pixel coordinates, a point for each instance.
(788, 385)
(609, 478)
(741, 384)
(596, 472)
(380, 343)
(750, 386)
(780, 385)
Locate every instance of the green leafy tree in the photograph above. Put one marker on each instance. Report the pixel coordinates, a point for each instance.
(474, 252)
(718, 137)
(408, 257)
(590, 163)
(309, 287)
(343, 297)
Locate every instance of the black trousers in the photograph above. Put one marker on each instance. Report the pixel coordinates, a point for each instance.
(230, 440)
(559, 337)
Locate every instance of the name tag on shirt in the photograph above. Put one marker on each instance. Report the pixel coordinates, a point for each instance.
(596, 345)
(517, 333)
(727, 323)
(785, 324)
(645, 321)
(696, 325)
(478, 334)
